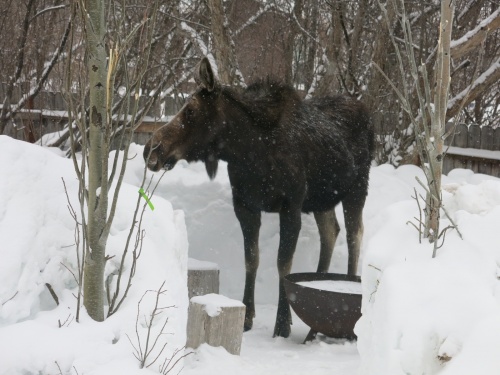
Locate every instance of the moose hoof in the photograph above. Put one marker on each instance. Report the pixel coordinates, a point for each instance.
(282, 330)
(247, 326)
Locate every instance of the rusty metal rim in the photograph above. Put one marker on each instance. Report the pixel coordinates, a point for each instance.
(314, 276)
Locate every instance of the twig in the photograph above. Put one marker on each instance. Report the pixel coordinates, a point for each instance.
(59, 367)
(80, 261)
(153, 315)
(165, 368)
(74, 276)
(66, 321)
(143, 350)
(420, 217)
(11, 298)
(372, 266)
(52, 293)
(443, 234)
(116, 302)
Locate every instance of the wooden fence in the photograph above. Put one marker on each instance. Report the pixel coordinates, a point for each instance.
(47, 113)
(471, 147)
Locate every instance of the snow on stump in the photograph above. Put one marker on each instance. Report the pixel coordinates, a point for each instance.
(203, 278)
(217, 321)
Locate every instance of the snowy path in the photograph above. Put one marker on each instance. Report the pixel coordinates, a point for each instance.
(261, 354)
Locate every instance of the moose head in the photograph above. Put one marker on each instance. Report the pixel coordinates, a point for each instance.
(192, 133)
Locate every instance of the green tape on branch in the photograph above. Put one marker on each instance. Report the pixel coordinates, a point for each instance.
(143, 194)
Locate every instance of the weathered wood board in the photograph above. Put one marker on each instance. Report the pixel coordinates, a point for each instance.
(217, 321)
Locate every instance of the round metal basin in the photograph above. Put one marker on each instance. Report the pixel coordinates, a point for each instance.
(333, 314)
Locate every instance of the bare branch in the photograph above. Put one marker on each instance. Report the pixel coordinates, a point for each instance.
(48, 9)
(474, 90)
(476, 36)
(11, 298)
(52, 293)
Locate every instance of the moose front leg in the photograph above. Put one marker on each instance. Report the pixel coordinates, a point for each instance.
(290, 223)
(250, 225)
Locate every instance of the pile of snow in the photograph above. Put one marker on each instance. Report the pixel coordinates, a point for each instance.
(38, 249)
(214, 303)
(433, 316)
(420, 315)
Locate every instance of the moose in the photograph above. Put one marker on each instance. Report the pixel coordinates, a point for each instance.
(284, 155)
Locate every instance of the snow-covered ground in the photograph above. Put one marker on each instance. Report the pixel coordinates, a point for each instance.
(420, 315)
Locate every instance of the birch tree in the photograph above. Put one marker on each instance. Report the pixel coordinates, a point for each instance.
(107, 123)
(93, 14)
(434, 139)
(430, 118)
(475, 69)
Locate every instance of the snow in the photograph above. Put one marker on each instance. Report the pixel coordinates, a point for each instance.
(420, 315)
(474, 152)
(338, 286)
(199, 265)
(213, 303)
(37, 248)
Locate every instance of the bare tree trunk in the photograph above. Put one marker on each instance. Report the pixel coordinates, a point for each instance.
(294, 18)
(313, 46)
(95, 260)
(228, 70)
(438, 122)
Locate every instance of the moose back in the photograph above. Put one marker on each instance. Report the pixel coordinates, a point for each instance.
(284, 155)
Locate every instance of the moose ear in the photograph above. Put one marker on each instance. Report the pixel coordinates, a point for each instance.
(204, 76)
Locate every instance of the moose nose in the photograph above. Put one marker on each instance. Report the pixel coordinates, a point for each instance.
(153, 160)
(150, 157)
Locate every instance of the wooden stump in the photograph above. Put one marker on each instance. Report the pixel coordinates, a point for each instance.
(217, 321)
(203, 278)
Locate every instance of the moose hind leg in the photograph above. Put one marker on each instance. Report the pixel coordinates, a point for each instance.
(329, 229)
(353, 215)
(290, 223)
(250, 226)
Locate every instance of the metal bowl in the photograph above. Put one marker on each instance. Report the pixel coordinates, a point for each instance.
(333, 314)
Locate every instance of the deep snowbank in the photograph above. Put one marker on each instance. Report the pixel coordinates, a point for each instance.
(434, 316)
(37, 247)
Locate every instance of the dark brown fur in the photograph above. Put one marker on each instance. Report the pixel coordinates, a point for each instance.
(284, 155)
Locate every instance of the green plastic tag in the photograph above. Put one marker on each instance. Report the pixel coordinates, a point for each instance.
(143, 194)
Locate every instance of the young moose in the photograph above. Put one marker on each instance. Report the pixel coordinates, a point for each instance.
(284, 155)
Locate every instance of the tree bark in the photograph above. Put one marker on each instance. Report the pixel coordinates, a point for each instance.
(294, 17)
(228, 70)
(438, 121)
(95, 29)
